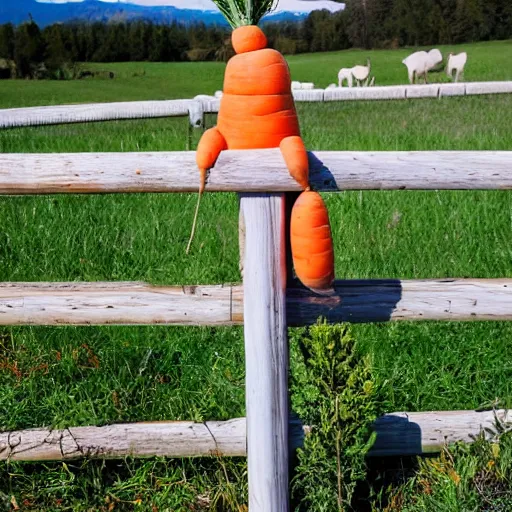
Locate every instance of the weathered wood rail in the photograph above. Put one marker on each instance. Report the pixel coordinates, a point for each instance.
(96, 112)
(398, 434)
(176, 172)
(379, 300)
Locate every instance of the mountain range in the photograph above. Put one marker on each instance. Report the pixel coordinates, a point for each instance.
(159, 11)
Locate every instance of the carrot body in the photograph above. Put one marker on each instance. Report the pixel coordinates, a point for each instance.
(257, 111)
(311, 242)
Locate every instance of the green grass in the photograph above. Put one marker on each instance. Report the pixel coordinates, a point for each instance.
(174, 373)
(463, 478)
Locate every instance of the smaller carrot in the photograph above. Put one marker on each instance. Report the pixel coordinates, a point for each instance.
(311, 243)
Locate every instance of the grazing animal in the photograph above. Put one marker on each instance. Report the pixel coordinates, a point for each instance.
(257, 111)
(420, 63)
(435, 58)
(345, 75)
(361, 73)
(456, 63)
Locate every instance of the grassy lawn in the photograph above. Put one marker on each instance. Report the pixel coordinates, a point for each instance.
(86, 376)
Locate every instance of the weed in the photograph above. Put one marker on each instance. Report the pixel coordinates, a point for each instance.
(333, 391)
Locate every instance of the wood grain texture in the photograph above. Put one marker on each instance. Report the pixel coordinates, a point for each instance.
(266, 351)
(416, 433)
(169, 439)
(177, 172)
(355, 301)
(119, 304)
(394, 300)
(398, 434)
(66, 114)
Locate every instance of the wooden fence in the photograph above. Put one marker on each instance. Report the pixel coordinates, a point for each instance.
(266, 304)
(195, 109)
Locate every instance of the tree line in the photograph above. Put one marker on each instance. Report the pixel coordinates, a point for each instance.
(395, 23)
(28, 51)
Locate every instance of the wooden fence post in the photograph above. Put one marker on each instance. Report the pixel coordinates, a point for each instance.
(195, 120)
(266, 351)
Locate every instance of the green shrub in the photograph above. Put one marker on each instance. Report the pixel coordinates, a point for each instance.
(333, 392)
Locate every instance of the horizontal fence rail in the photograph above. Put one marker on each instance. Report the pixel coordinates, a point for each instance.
(202, 104)
(398, 434)
(355, 301)
(94, 112)
(253, 171)
(406, 92)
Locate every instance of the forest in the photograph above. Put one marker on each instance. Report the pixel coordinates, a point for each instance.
(28, 51)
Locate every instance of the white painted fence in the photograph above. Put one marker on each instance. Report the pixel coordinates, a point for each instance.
(196, 108)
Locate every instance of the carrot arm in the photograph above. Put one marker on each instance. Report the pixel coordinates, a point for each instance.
(296, 159)
(210, 146)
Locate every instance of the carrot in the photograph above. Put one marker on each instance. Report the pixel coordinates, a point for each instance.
(311, 242)
(257, 111)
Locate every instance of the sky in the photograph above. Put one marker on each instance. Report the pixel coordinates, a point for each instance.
(208, 5)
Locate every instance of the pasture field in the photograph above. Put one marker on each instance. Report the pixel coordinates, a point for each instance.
(92, 376)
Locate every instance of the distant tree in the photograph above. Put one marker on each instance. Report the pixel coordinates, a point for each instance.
(358, 21)
(138, 40)
(29, 49)
(468, 21)
(364, 24)
(7, 41)
(503, 20)
(57, 53)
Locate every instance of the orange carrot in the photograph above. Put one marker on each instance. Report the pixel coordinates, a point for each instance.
(257, 111)
(311, 242)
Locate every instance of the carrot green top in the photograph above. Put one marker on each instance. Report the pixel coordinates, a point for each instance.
(239, 13)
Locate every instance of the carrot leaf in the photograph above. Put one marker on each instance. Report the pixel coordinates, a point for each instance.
(245, 12)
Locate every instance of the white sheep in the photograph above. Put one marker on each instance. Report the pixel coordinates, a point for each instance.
(420, 63)
(331, 86)
(296, 85)
(435, 57)
(219, 94)
(456, 63)
(361, 73)
(345, 75)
